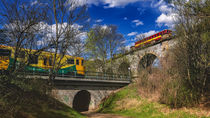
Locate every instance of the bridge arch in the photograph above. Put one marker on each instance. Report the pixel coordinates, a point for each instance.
(148, 61)
(81, 101)
(124, 68)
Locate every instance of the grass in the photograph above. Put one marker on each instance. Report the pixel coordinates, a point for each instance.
(23, 98)
(41, 106)
(127, 102)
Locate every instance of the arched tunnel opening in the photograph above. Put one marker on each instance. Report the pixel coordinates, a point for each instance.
(124, 68)
(148, 62)
(81, 101)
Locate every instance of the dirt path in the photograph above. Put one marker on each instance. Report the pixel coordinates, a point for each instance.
(101, 115)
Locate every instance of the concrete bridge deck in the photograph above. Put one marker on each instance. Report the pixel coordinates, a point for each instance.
(87, 81)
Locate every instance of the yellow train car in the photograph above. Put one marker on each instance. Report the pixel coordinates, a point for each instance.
(40, 62)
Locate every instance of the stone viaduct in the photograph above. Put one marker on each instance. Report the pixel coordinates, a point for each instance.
(85, 94)
(139, 59)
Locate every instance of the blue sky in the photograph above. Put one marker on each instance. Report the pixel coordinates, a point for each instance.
(133, 17)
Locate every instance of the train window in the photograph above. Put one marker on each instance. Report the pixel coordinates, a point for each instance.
(82, 62)
(33, 59)
(50, 62)
(21, 54)
(45, 61)
(5, 52)
(77, 62)
(70, 61)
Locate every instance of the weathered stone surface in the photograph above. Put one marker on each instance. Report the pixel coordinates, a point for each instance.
(94, 93)
(67, 96)
(159, 50)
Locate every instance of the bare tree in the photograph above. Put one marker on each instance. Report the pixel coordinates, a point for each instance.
(68, 18)
(78, 49)
(140, 37)
(115, 41)
(21, 22)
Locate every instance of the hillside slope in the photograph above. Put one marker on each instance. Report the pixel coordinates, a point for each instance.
(127, 102)
(24, 98)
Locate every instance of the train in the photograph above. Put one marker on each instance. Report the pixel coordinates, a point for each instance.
(41, 63)
(160, 36)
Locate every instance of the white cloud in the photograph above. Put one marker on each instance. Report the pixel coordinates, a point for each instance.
(95, 2)
(34, 2)
(151, 32)
(82, 36)
(106, 3)
(165, 9)
(118, 3)
(132, 34)
(167, 19)
(50, 31)
(156, 4)
(104, 26)
(145, 34)
(125, 18)
(127, 47)
(138, 22)
(89, 19)
(99, 20)
(72, 4)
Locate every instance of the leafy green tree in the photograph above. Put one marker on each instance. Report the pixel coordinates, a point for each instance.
(192, 50)
(103, 43)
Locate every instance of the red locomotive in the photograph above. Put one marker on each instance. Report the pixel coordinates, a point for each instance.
(163, 35)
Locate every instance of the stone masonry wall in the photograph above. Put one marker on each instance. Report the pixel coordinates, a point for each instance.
(67, 96)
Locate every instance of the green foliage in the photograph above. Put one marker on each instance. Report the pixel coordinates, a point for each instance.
(191, 52)
(141, 109)
(110, 103)
(92, 66)
(177, 95)
(103, 43)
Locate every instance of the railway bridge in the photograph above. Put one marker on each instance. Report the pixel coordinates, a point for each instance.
(84, 93)
(136, 60)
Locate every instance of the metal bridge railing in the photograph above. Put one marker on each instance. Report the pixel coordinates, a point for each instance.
(84, 75)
